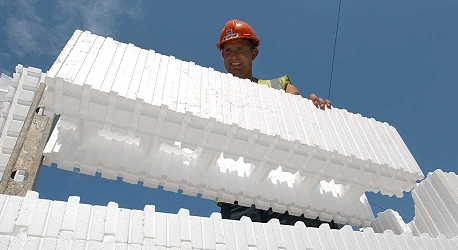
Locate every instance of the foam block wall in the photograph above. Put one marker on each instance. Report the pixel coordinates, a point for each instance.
(148, 97)
(436, 208)
(176, 168)
(33, 223)
(16, 96)
(390, 220)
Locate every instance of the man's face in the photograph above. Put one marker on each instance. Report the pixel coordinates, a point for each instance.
(238, 57)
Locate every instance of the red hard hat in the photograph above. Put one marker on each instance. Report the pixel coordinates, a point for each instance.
(236, 29)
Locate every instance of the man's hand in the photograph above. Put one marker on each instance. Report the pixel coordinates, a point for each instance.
(319, 102)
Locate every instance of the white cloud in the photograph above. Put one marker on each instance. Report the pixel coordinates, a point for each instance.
(101, 17)
(24, 29)
(23, 35)
(27, 33)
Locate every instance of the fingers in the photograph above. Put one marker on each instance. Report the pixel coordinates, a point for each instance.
(320, 102)
(328, 104)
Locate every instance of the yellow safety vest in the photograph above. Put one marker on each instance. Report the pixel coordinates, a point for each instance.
(278, 83)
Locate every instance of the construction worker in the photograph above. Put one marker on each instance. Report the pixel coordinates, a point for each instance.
(239, 47)
(238, 44)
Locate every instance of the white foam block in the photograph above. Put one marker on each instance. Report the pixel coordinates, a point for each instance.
(258, 113)
(175, 167)
(208, 233)
(436, 200)
(16, 96)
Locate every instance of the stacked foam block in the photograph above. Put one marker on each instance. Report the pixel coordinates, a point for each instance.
(134, 100)
(134, 91)
(16, 96)
(32, 223)
(436, 208)
(175, 169)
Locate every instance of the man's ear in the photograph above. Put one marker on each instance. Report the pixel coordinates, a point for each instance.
(254, 53)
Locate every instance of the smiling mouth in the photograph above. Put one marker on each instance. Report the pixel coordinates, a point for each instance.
(236, 64)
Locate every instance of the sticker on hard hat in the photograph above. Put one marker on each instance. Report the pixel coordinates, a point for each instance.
(229, 34)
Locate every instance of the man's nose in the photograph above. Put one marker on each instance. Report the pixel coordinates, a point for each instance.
(234, 55)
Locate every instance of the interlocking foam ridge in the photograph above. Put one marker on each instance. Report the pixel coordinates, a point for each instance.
(16, 96)
(33, 223)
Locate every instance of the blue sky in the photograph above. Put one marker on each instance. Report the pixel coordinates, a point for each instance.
(395, 61)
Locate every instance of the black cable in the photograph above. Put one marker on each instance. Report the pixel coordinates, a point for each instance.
(383, 209)
(332, 69)
(334, 53)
